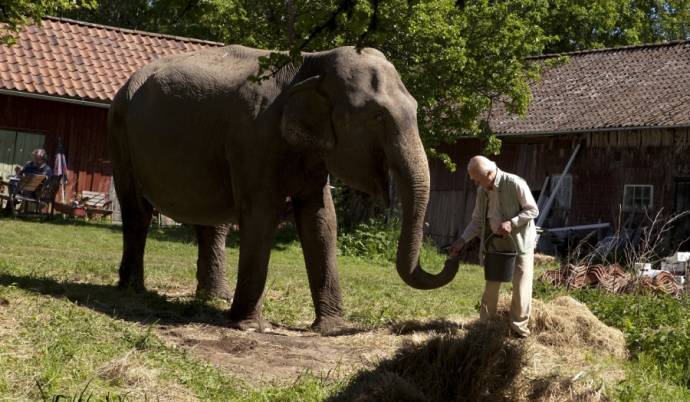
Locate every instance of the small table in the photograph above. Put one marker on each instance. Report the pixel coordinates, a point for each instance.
(12, 183)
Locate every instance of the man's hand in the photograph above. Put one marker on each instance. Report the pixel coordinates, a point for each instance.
(454, 249)
(505, 228)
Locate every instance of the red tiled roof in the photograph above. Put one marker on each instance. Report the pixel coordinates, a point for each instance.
(628, 87)
(79, 60)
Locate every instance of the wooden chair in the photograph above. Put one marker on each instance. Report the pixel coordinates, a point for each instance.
(96, 203)
(43, 198)
(27, 188)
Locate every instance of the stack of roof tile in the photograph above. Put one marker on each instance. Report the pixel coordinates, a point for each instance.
(612, 278)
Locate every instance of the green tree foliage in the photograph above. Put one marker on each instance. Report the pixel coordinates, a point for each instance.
(457, 57)
(586, 24)
(16, 13)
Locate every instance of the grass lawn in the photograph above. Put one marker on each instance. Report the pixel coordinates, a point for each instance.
(66, 331)
(64, 324)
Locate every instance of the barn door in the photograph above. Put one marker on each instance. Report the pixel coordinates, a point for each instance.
(15, 149)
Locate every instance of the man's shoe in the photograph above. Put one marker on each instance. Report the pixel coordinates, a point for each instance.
(516, 333)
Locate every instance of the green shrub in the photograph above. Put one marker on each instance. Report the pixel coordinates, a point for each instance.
(378, 241)
(374, 240)
(657, 329)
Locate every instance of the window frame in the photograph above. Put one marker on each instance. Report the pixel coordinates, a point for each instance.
(632, 206)
(18, 147)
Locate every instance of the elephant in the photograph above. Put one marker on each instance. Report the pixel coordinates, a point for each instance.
(193, 137)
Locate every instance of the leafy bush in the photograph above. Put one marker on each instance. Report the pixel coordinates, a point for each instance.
(375, 240)
(378, 241)
(657, 329)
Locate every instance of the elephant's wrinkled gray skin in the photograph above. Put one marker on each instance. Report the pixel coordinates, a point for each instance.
(192, 136)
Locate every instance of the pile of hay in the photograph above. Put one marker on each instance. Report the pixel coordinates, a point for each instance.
(565, 323)
(483, 362)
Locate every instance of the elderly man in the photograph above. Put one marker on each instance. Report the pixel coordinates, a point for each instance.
(37, 165)
(505, 206)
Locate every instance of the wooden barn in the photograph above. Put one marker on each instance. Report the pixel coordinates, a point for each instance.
(56, 84)
(614, 123)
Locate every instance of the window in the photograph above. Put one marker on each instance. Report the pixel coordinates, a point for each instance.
(682, 201)
(637, 197)
(15, 149)
(565, 191)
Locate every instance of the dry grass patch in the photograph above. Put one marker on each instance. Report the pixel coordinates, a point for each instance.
(129, 372)
(566, 323)
(138, 381)
(483, 362)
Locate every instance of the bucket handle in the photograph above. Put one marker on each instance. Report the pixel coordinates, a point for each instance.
(492, 235)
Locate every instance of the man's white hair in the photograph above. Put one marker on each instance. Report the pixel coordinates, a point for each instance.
(40, 153)
(481, 165)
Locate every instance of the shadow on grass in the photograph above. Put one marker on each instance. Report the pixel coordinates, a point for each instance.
(412, 326)
(184, 233)
(478, 364)
(395, 328)
(145, 308)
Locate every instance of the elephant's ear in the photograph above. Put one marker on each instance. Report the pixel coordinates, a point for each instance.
(306, 120)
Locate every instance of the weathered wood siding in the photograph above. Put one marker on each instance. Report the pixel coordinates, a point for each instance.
(606, 162)
(82, 128)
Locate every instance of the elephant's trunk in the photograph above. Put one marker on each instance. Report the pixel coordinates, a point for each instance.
(411, 171)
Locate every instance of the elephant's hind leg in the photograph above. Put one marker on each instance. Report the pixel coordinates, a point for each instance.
(317, 227)
(211, 275)
(136, 218)
(257, 232)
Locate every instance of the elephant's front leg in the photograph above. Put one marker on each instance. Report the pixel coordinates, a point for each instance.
(211, 275)
(317, 227)
(257, 233)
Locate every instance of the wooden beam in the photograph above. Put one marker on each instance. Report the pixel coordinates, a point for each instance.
(542, 193)
(545, 213)
(578, 227)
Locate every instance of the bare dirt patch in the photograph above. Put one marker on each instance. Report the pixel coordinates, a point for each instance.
(555, 363)
(282, 355)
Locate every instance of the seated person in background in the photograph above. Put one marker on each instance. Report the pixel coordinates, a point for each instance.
(37, 165)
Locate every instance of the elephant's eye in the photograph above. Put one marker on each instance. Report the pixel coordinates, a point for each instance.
(378, 117)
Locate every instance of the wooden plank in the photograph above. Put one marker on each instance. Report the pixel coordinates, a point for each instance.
(579, 227)
(543, 214)
(542, 193)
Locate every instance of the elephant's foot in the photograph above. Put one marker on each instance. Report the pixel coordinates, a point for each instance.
(221, 292)
(251, 324)
(330, 325)
(136, 286)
